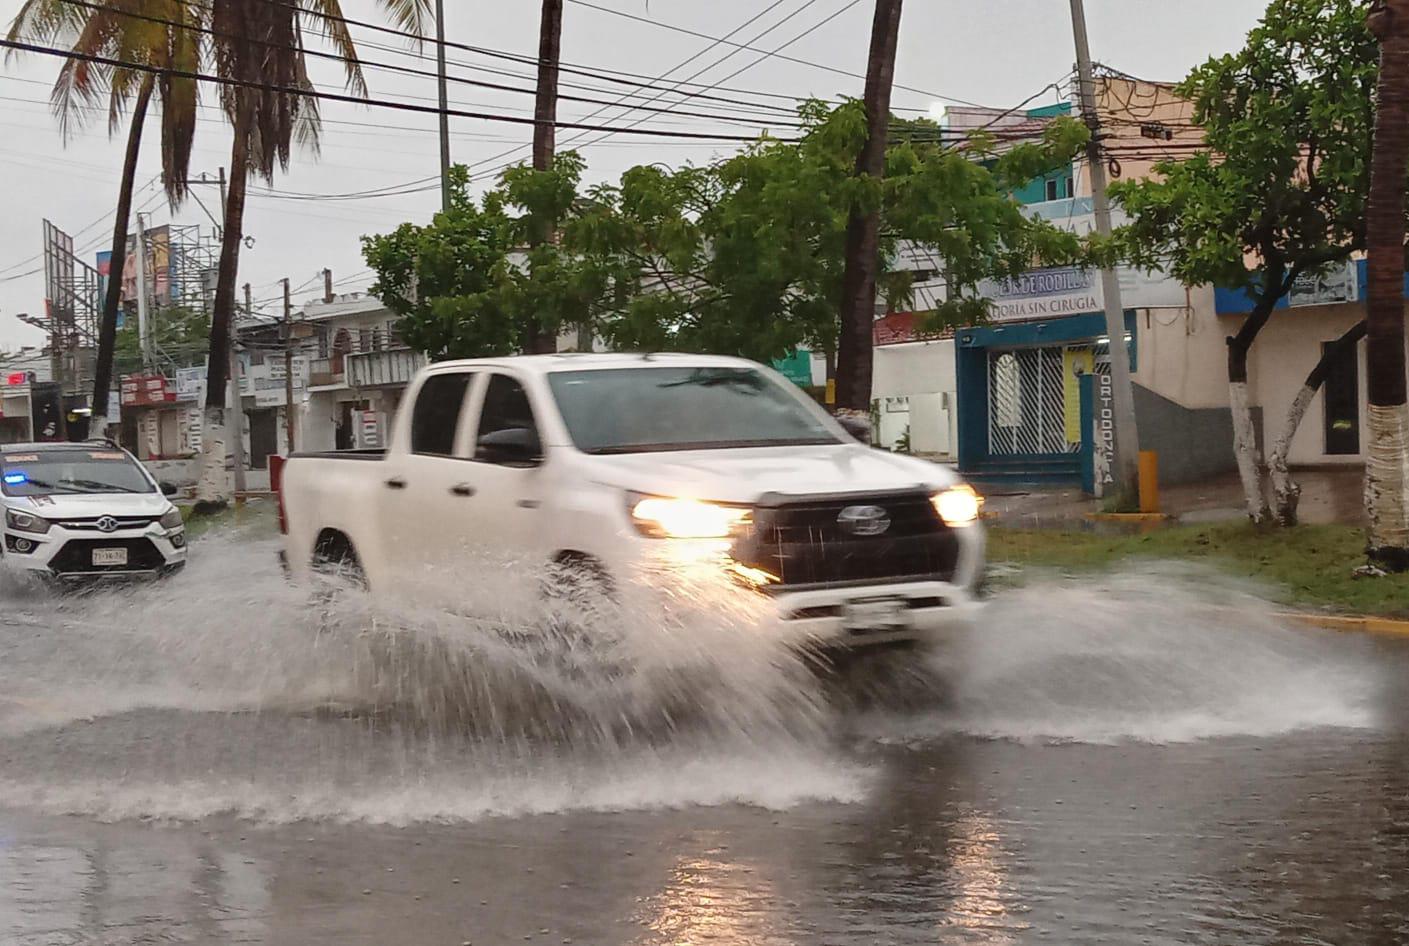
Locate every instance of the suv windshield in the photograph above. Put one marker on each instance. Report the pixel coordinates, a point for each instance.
(54, 472)
(640, 410)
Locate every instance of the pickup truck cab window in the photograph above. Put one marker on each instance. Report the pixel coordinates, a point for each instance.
(436, 415)
(508, 434)
(648, 410)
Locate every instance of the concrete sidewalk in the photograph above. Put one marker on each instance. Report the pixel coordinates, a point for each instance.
(1327, 497)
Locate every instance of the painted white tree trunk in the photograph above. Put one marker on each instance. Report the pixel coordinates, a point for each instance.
(1285, 491)
(98, 426)
(1245, 449)
(213, 485)
(1386, 477)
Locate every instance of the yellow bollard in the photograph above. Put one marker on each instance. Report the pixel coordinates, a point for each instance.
(1149, 481)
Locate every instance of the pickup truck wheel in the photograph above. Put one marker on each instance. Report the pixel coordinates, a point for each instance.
(336, 564)
(580, 603)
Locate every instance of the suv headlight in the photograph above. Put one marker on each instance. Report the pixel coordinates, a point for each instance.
(661, 517)
(172, 519)
(958, 506)
(24, 522)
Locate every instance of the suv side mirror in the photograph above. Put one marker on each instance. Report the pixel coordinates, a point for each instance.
(513, 446)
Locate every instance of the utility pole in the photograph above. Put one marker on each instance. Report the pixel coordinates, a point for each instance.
(855, 345)
(236, 424)
(288, 367)
(328, 287)
(1126, 460)
(539, 340)
(444, 105)
(143, 335)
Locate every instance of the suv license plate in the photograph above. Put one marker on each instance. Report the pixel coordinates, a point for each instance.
(874, 614)
(110, 556)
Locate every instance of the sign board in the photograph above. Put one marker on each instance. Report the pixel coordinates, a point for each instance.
(1104, 434)
(145, 390)
(16, 378)
(265, 383)
(1335, 285)
(190, 383)
(797, 368)
(368, 428)
(1043, 294)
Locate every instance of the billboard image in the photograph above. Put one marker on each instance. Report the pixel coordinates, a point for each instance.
(158, 268)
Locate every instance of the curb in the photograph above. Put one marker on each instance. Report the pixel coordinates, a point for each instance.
(1128, 517)
(1349, 624)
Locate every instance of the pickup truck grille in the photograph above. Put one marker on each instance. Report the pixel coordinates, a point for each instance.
(806, 543)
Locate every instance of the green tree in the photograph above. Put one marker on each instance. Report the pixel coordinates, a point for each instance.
(1283, 181)
(476, 281)
(258, 46)
(143, 32)
(179, 334)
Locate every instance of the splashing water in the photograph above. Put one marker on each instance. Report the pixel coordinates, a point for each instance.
(230, 690)
(1159, 653)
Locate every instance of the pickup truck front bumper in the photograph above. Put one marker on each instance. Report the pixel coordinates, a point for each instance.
(876, 614)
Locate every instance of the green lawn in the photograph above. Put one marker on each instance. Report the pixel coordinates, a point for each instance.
(1311, 565)
(259, 517)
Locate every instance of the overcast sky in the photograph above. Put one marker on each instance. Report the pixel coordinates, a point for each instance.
(993, 52)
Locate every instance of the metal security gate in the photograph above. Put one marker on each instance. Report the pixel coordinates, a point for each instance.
(1034, 400)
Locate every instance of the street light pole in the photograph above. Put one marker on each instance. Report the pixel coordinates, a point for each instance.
(1126, 448)
(444, 105)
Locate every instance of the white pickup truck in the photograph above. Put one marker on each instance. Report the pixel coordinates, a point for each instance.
(599, 462)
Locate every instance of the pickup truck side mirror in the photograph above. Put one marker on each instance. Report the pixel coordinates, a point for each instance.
(513, 446)
(858, 427)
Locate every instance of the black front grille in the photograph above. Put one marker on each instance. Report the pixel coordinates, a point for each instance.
(77, 556)
(803, 543)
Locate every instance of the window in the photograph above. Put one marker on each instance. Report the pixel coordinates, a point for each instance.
(652, 409)
(1070, 191)
(1052, 190)
(437, 413)
(506, 407)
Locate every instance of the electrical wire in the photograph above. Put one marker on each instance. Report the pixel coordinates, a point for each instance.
(351, 99)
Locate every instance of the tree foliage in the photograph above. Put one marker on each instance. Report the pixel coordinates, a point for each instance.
(741, 256)
(1287, 122)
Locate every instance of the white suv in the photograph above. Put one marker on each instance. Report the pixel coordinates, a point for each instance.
(85, 510)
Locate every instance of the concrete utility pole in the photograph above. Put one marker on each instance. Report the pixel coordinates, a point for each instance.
(328, 287)
(1126, 461)
(288, 367)
(236, 424)
(143, 335)
(444, 105)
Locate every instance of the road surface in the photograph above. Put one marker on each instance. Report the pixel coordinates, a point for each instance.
(1144, 758)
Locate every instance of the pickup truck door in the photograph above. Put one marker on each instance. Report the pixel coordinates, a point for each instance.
(420, 513)
(507, 473)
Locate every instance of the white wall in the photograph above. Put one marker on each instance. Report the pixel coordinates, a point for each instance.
(1183, 355)
(923, 373)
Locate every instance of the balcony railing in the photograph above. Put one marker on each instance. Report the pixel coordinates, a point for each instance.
(393, 366)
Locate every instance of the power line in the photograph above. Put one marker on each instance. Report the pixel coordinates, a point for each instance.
(351, 99)
(407, 70)
(793, 59)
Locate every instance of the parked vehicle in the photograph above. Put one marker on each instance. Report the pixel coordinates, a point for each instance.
(86, 510)
(599, 463)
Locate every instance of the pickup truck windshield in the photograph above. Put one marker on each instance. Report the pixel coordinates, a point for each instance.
(642, 410)
(55, 472)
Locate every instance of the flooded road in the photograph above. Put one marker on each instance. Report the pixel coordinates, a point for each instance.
(1147, 757)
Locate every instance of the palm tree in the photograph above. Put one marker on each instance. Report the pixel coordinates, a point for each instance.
(258, 45)
(1387, 460)
(140, 32)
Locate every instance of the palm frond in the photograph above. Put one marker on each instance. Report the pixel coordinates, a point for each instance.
(329, 14)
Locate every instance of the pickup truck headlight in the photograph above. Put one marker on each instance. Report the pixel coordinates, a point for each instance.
(24, 522)
(958, 506)
(663, 518)
(172, 519)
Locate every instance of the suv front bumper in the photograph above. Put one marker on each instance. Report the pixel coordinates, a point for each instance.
(68, 554)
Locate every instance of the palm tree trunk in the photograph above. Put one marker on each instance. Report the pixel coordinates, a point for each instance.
(545, 115)
(1387, 459)
(1286, 493)
(112, 300)
(855, 356)
(214, 485)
